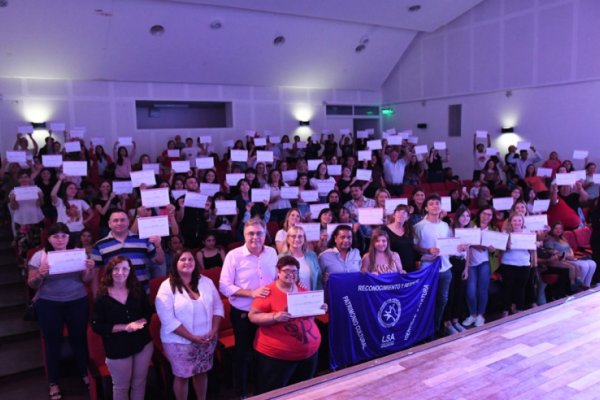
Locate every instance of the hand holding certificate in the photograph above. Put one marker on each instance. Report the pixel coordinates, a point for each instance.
(497, 240)
(523, 241)
(306, 304)
(155, 197)
(470, 236)
(370, 216)
(62, 262)
(448, 246)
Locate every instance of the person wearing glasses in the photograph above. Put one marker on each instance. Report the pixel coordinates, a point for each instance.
(247, 273)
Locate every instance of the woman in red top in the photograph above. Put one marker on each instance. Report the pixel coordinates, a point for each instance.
(286, 347)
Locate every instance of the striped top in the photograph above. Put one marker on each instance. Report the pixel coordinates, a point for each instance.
(139, 251)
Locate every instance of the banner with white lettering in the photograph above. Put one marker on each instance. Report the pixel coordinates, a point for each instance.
(374, 315)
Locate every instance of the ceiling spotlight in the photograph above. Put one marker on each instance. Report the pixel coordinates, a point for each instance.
(360, 48)
(414, 7)
(216, 24)
(157, 30)
(279, 40)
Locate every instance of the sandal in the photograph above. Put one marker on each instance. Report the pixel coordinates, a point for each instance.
(54, 393)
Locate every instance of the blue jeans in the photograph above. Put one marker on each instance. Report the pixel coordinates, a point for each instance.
(478, 284)
(441, 298)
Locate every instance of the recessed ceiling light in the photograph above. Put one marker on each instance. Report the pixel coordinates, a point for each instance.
(216, 24)
(279, 40)
(360, 48)
(157, 30)
(415, 7)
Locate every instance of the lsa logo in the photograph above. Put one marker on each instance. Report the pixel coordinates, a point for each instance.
(388, 316)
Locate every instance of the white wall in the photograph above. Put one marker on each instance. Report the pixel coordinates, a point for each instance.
(108, 108)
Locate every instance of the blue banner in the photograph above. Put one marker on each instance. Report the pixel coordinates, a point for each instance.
(374, 315)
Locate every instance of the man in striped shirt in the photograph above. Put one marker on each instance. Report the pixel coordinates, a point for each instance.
(121, 242)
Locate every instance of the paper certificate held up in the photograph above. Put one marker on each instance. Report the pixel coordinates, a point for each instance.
(153, 226)
(470, 236)
(155, 197)
(522, 241)
(312, 230)
(226, 207)
(142, 177)
(306, 304)
(195, 200)
(26, 193)
(497, 240)
(260, 195)
(448, 246)
(503, 203)
(391, 204)
(65, 261)
(75, 168)
(371, 216)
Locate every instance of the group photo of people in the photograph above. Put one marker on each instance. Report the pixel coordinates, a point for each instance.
(184, 260)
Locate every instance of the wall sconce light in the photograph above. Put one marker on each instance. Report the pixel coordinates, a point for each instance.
(39, 126)
(510, 129)
(304, 123)
(422, 125)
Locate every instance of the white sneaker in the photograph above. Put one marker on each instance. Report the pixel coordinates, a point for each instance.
(469, 321)
(450, 330)
(479, 321)
(458, 327)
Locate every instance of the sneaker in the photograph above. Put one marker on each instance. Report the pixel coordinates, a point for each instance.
(469, 321)
(458, 327)
(479, 321)
(450, 330)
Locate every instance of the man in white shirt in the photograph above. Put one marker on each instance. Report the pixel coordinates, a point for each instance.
(524, 160)
(427, 231)
(479, 156)
(393, 170)
(246, 273)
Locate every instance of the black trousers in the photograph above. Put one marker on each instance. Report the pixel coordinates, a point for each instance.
(457, 295)
(514, 282)
(274, 373)
(244, 332)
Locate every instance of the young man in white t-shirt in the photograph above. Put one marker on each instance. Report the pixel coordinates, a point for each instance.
(427, 231)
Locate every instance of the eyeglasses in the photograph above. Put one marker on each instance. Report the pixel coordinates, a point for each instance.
(257, 233)
(288, 272)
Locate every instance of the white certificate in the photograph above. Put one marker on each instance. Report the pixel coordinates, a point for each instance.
(344, 131)
(62, 262)
(580, 174)
(498, 240)
(138, 177)
(178, 193)
(26, 193)
(312, 231)
(75, 168)
(540, 205)
(491, 151)
(481, 134)
(16, 157)
(239, 155)
(77, 133)
(250, 132)
(98, 141)
(122, 187)
(439, 145)
(155, 197)
(580, 154)
(535, 223)
(25, 129)
(152, 167)
(362, 134)
(226, 207)
(334, 170)
(422, 149)
(301, 145)
(309, 195)
(468, 235)
(394, 140)
(313, 164)
(325, 187)
(153, 226)
(523, 145)
(287, 146)
(260, 141)
(125, 141)
(205, 162)
(275, 139)
(174, 153)
(315, 209)
(364, 155)
(405, 134)
(522, 241)
(57, 126)
(391, 204)
(233, 179)
(209, 189)
(446, 204)
(543, 172)
(596, 178)
(181, 167)
(565, 179)
(290, 175)
(260, 195)
(391, 131)
(363, 175)
(290, 192)
(195, 200)
(73, 147)
(205, 139)
(448, 246)
(374, 144)
(52, 160)
(305, 304)
(413, 139)
(264, 156)
(371, 216)
(503, 203)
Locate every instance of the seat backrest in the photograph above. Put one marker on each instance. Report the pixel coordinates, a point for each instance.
(155, 332)
(570, 237)
(214, 274)
(583, 236)
(95, 347)
(154, 286)
(226, 323)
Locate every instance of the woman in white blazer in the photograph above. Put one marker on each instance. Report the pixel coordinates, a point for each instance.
(190, 310)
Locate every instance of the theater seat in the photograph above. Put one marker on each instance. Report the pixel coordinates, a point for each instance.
(98, 368)
(154, 286)
(214, 274)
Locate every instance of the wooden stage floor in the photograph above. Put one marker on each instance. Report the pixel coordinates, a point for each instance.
(552, 352)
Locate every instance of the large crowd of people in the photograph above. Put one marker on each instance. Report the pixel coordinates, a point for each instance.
(280, 215)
